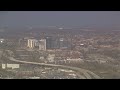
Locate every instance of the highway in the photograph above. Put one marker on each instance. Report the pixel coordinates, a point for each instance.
(86, 73)
(82, 73)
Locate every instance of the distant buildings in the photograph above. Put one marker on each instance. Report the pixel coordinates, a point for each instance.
(64, 43)
(49, 42)
(31, 43)
(23, 42)
(57, 43)
(42, 44)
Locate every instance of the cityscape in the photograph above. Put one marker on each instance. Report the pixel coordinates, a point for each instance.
(59, 53)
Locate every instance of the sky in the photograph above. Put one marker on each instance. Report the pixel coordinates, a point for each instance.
(60, 18)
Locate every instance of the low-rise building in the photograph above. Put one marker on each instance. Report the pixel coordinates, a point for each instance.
(10, 66)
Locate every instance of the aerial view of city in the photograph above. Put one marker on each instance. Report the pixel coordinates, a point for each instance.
(59, 45)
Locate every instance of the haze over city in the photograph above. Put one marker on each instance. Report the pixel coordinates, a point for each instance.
(81, 19)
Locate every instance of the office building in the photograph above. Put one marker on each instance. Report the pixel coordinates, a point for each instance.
(31, 43)
(56, 43)
(42, 44)
(49, 42)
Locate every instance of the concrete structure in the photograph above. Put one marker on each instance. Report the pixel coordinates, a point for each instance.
(42, 44)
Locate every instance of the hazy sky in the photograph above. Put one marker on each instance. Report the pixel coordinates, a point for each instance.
(60, 18)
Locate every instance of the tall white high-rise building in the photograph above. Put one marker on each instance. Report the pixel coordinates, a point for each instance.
(42, 44)
(31, 43)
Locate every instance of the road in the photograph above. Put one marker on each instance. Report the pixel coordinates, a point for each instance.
(86, 73)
